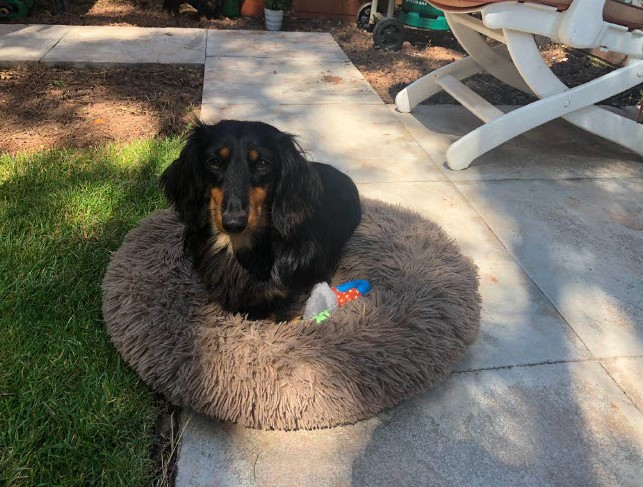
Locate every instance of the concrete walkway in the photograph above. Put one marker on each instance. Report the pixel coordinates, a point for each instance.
(552, 391)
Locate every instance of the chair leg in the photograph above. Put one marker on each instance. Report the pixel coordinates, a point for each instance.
(462, 152)
(481, 58)
(493, 60)
(596, 120)
(427, 86)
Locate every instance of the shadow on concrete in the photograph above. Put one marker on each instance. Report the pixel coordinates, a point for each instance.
(536, 426)
(580, 241)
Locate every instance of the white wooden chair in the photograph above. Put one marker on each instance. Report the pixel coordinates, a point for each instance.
(604, 24)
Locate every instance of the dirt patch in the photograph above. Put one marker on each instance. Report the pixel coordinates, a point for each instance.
(164, 450)
(45, 107)
(336, 80)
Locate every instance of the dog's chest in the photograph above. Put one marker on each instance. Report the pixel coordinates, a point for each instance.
(241, 279)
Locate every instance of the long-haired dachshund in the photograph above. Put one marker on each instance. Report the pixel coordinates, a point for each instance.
(263, 225)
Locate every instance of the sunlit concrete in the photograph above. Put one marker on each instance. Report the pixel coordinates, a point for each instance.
(87, 45)
(292, 81)
(627, 373)
(28, 43)
(281, 45)
(581, 241)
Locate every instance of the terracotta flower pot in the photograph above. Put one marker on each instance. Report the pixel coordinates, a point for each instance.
(252, 8)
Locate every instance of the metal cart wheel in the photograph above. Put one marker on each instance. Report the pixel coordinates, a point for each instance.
(363, 17)
(389, 34)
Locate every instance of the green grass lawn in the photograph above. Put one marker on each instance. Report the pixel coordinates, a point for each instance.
(71, 411)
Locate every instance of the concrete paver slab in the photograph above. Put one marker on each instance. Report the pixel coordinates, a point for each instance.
(9, 28)
(234, 81)
(227, 455)
(283, 45)
(628, 374)
(556, 150)
(548, 425)
(519, 325)
(127, 45)
(20, 42)
(582, 244)
(366, 141)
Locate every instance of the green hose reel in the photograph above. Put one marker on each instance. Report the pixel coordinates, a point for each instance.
(15, 9)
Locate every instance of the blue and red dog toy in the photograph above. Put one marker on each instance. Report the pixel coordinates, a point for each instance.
(324, 299)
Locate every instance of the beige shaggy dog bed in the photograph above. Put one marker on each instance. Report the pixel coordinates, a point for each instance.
(397, 341)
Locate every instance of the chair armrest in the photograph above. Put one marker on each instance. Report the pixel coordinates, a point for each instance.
(582, 25)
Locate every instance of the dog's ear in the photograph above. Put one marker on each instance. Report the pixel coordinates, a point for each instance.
(184, 184)
(298, 189)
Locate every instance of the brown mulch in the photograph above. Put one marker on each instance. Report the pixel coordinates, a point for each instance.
(72, 107)
(45, 107)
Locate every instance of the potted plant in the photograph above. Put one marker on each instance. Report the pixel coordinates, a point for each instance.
(274, 11)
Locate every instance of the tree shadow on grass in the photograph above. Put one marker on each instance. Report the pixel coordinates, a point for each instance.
(73, 412)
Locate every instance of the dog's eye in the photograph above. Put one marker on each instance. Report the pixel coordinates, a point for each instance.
(262, 163)
(216, 162)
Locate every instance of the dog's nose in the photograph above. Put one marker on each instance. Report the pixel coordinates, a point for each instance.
(234, 222)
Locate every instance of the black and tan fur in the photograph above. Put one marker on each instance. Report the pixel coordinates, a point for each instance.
(263, 225)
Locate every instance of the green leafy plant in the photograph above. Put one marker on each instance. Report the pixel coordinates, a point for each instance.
(278, 4)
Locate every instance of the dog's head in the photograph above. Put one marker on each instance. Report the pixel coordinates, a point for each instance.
(242, 177)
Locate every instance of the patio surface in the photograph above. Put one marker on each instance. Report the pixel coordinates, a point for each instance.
(552, 391)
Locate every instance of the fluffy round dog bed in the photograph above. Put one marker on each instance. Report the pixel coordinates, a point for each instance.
(397, 341)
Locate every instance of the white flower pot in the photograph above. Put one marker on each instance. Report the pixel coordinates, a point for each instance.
(274, 19)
